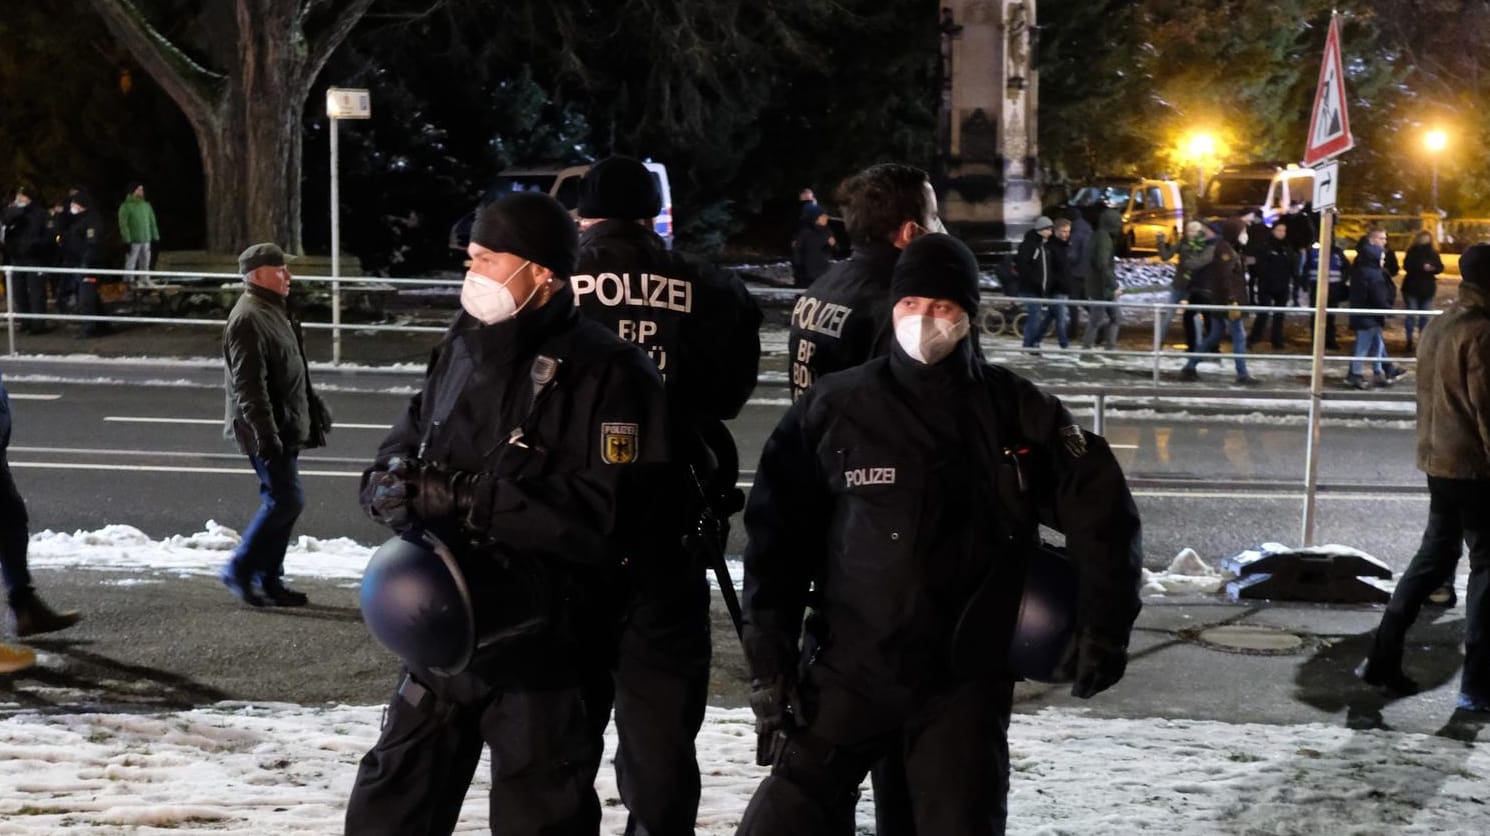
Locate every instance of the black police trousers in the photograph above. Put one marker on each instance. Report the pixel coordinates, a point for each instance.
(659, 685)
(955, 759)
(414, 780)
(15, 535)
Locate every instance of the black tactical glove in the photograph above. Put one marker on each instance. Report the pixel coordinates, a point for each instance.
(445, 494)
(322, 414)
(1099, 662)
(776, 704)
(386, 493)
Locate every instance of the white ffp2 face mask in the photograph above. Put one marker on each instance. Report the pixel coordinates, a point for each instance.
(488, 299)
(928, 339)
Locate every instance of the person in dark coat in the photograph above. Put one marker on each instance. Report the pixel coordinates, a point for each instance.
(1033, 275)
(273, 413)
(1274, 280)
(1102, 283)
(1337, 294)
(1190, 281)
(1370, 290)
(812, 247)
(1453, 439)
(536, 451)
(1228, 282)
(702, 328)
(1420, 283)
(81, 239)
(887, 500)
(1057, 289)
(1078, 261)
(1378, 236)
(843, 319)
(29, 615)
(27, 245)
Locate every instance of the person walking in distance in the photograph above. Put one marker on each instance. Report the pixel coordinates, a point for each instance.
(273, 413)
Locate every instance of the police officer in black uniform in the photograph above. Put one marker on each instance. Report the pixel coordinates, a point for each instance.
(900, 500)
(80, 243)
(533, 452)
(843, 319)
(701, 327)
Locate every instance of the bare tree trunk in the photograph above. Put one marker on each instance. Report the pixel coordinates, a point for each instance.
(247, 118)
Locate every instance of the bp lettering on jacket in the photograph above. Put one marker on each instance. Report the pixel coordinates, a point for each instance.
(640, 290)
(820, 317)
(861, 476)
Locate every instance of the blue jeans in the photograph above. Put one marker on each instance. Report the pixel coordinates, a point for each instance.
(1368, 343)
(1415, 303)
(1034, 326)
(1175, 297)
(1221, 326)
(261, 554)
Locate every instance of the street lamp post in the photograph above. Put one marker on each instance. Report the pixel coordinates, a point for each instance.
(1435, 141)
(341, 103)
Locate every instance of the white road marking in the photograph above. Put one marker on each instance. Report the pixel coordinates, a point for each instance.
(173, 454)
(16, 396)
(144, 419)
(355, 474)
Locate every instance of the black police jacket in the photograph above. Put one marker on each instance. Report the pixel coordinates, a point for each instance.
(894, 491)
(696, 322)
(843, 319)
(80, 240)
(572, 471)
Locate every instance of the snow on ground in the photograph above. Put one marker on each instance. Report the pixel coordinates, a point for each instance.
(286, 769)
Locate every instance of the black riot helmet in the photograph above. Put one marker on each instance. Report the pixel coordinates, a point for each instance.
(416, 603)
(1045, 628)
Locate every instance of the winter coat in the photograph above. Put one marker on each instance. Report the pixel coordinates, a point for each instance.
(5, 419)
(1060, 282)
(1079, 253)
(1032, 266)
(1274, 268)
(812, 253)
(1454, 390)
(844, 318)
(80, 240)
(25, 234)
(1195, 254)
(1389, 266)
(887, 488)
(137, 221)
(1369, 289)
(1423, 266)
(1339, 267)
(1101, 282)
(572, 471)
(1228, 284)
(269, 392)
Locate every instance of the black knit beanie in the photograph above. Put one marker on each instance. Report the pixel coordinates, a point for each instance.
(531, 225)
(619, 188)
(1474, 266)
(937, 266)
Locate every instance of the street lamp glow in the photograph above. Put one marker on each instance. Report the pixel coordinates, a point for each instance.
(1202, 146)
(1436, 140)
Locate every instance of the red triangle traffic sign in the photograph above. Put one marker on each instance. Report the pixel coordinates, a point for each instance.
(1329, 122)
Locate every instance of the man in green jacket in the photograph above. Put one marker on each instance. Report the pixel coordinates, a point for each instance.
(1102, 284)
(137, 227)
(273, 413)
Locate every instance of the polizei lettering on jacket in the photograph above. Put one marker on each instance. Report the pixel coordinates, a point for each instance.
(860, 476)
(820, 317)
(642, 290)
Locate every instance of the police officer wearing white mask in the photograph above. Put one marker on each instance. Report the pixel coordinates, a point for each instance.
(534, 452)
(900, 501)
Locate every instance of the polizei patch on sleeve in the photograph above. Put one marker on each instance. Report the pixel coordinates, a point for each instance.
(619, 443)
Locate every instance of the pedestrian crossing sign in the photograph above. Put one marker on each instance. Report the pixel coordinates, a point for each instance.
(1329, 122)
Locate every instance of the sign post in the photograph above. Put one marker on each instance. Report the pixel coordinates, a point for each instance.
(1329, 135)
(341, 103)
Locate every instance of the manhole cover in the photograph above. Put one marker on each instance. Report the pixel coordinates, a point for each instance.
(1249, 638)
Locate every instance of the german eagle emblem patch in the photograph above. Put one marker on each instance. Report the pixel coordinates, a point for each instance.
(619, 443)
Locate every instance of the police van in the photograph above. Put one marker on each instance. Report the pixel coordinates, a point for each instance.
(1150, 207)
(1269, 187)
(562, 183)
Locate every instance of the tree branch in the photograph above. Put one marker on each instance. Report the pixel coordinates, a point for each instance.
(194, 88)
(323, 42)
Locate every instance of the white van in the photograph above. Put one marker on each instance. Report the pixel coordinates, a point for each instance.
(561, 183)
(1270, 187)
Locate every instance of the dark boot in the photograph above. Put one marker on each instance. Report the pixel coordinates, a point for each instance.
(1383, 667)
(282, 596)
(241, 584)
(30, 615)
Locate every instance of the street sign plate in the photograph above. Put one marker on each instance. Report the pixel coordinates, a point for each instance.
(348, 103)
(1329, 121)
(1326, 185)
